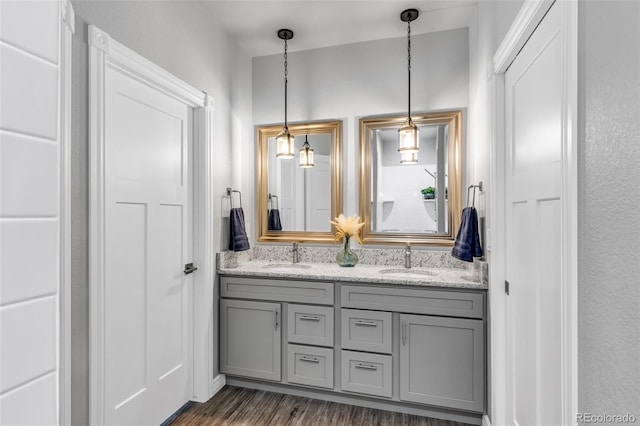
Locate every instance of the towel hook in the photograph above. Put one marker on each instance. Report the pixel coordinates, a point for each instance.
(229, 194)
(480, 187)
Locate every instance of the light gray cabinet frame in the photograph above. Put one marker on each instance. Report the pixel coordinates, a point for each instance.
(442, 361)
(250, 339)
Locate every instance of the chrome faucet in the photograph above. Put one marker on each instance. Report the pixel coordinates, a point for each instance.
(296, 253)
(407, 256)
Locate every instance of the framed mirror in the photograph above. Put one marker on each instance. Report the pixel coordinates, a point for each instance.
(411, 200)
(296, 203)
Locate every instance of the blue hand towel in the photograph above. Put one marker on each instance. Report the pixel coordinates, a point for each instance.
(274, 224)
(467, 245)
(238, 240)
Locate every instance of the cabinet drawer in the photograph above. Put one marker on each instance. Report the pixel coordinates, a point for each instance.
(366, 330)
(317, 292)
(423, 301)
(366, 373)
(310, 325)
(311, 366)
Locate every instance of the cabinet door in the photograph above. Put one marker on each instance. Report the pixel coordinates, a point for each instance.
(250, 339)
(442, 361)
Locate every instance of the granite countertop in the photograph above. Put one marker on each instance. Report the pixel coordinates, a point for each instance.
(425, 277)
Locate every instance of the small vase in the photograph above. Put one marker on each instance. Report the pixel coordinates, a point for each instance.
(346, 257)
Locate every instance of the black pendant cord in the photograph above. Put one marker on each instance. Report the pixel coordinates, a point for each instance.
(409, 67)
(285, 83)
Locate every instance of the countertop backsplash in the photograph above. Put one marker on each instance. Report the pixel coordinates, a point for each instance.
(367, 256)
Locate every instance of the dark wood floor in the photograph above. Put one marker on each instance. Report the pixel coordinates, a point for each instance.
(248, 407)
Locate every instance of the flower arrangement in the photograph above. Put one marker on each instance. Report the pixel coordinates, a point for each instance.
(346, 228)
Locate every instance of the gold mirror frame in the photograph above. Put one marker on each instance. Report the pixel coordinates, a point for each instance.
(454, 120)
(263, 133)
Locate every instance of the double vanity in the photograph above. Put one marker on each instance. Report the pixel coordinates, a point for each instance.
(402, 339)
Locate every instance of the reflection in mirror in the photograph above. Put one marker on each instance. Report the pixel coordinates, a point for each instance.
(296, 203)
(303, 194)
(413, 199)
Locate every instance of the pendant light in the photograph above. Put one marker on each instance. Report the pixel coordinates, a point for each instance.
(306, 154)
(408, 141)
(284, 140)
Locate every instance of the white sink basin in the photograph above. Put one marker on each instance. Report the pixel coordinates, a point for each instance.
(407, 272)
(286, 266)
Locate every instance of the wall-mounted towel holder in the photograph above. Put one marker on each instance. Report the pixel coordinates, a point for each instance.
(230, 195)
(480, 187)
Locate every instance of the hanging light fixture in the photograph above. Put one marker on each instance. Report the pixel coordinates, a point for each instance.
(408, 158)
(408, 141)
(306, 154)
(284, 140)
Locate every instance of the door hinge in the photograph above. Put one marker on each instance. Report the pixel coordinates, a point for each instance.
(506, 287)
(189, 268)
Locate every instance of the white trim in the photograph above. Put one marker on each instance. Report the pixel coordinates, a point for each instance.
(570, 212)
(203, 290)
(67, 29)
(532, 12)
(97, 62)
(105, 52)
(486, 421)
(525, 23)
(218, 383)
(120, 56)
(497, 302)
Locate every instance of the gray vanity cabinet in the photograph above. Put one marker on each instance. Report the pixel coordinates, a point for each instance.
(250, 336)
(442, 361)
(420, 349)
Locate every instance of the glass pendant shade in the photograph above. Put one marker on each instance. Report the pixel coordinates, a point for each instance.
(408, 158)
(306, 156)
(284, 144)
(408, 137)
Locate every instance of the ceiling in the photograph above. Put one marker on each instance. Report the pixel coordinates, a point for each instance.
(253, 24)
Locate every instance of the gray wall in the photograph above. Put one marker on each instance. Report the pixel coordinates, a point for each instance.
(354, 80)
(609, 207)
(181, 38)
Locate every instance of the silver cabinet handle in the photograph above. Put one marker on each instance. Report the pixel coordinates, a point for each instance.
(366, 323)
(366, 366)
(308, 318)
(307, 359)
(404, 333)
(277, 312)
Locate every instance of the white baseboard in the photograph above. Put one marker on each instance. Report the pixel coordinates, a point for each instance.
(486, 421)
(218, 383)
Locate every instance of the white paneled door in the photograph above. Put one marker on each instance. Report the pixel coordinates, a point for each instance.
(533, 101)
(148, 240)
(318, 195)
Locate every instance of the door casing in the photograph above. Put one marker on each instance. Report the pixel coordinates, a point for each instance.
(530, 15)
(106, 52)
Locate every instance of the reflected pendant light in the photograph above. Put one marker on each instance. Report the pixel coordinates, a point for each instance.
(408, 158)
(306, 154)
(284, 140)
(408, 141)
